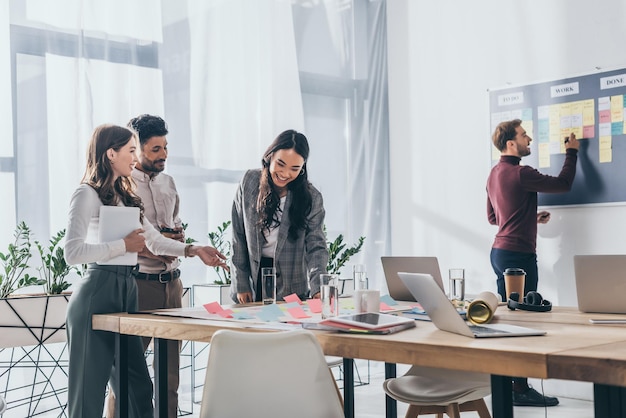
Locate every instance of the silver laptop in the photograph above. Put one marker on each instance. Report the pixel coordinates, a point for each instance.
(601, 283)
(446, 318)
(393, 265)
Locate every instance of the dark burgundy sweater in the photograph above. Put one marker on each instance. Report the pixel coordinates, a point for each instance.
(512, 199)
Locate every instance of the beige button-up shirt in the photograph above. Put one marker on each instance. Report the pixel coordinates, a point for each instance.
(161, 204)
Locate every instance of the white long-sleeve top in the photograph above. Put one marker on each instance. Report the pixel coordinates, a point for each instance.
(81, 238)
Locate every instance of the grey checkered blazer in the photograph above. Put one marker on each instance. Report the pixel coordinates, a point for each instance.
(297, 262)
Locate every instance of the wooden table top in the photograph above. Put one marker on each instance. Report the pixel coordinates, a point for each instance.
(558, 314)
(572, 349)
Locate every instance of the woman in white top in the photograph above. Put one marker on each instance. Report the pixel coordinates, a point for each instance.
(109, 288)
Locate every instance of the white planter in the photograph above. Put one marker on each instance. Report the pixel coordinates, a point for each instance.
(33, 354)
(33, 320)
(207, 293)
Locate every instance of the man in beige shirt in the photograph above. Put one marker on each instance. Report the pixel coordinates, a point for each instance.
(158, 280)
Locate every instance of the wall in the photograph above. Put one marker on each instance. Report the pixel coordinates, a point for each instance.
(443, 58)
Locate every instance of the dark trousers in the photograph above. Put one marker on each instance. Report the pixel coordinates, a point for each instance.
(500, 261)
(503, 259)
(104, 289)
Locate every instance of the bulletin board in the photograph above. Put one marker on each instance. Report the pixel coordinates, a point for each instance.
(593, 107)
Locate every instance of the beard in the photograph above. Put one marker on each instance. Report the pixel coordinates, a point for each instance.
(151, 167)
(523, 151)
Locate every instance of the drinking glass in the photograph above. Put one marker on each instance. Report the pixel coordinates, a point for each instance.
(359, 274)
(268, 285)
(329, 295)
(457, 284)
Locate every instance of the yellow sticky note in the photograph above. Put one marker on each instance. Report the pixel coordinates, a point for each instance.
(528, 126)
(617, 108)
(606, 155)
(495, 154)
(606, 142)
(555, 118)
(544, 155)
(578, 131)
(589, 113)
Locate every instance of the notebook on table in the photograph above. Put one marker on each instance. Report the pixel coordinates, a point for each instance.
(601, 283)
(445, 317)
(393, 265)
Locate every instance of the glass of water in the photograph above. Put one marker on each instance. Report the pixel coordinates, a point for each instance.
(457, 284)
(268, 285)
(329, 295)
(359, 274)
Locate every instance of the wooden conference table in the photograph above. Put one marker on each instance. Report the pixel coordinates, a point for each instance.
(573, 349)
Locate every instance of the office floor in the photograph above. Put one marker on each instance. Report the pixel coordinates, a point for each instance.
(370, 401)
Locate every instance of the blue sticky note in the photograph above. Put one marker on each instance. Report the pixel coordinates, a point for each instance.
(617, 128)
(270, 313)
(242, 315)
(388, 300)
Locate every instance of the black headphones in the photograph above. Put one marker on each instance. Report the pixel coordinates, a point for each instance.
(532, 302)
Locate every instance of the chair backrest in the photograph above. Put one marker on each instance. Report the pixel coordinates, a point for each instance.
(270, 374)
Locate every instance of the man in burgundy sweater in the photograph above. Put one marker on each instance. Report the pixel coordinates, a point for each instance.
(512, 205)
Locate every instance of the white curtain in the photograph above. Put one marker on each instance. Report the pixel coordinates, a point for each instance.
(7, 180)
(84, 71)
(94, 92)
(226, 75)
(244, 82)
(136, 19)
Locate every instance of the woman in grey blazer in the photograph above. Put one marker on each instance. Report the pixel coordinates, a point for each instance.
(278, 219)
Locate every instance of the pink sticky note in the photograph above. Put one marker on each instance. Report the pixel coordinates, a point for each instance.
(589, 131)
(297, 312)
(213, 307)
(293, 298)
(315, 305)
(604, 116)
(385, 307)
(227, 313)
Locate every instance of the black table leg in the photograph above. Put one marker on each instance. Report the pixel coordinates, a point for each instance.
(160, 378)
(121, 372)
(391, 406)
(348, 388)
(501, 396)
(609, 401)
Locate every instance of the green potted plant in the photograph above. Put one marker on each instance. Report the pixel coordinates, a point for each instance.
(219, 289)
(15, 263)
(32, 319)
(220, 241)
(54, 269)
(339, 254)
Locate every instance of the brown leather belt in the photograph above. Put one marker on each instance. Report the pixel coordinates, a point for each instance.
(164, 277)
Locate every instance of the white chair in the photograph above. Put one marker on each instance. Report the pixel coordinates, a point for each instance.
(438, 391)
(270, 374)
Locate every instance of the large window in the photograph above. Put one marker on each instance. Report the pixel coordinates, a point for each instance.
(226, 76)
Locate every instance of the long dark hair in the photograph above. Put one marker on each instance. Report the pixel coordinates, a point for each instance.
(269, 199)
(99, 173)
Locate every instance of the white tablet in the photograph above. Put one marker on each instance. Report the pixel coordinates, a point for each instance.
(371, 320)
